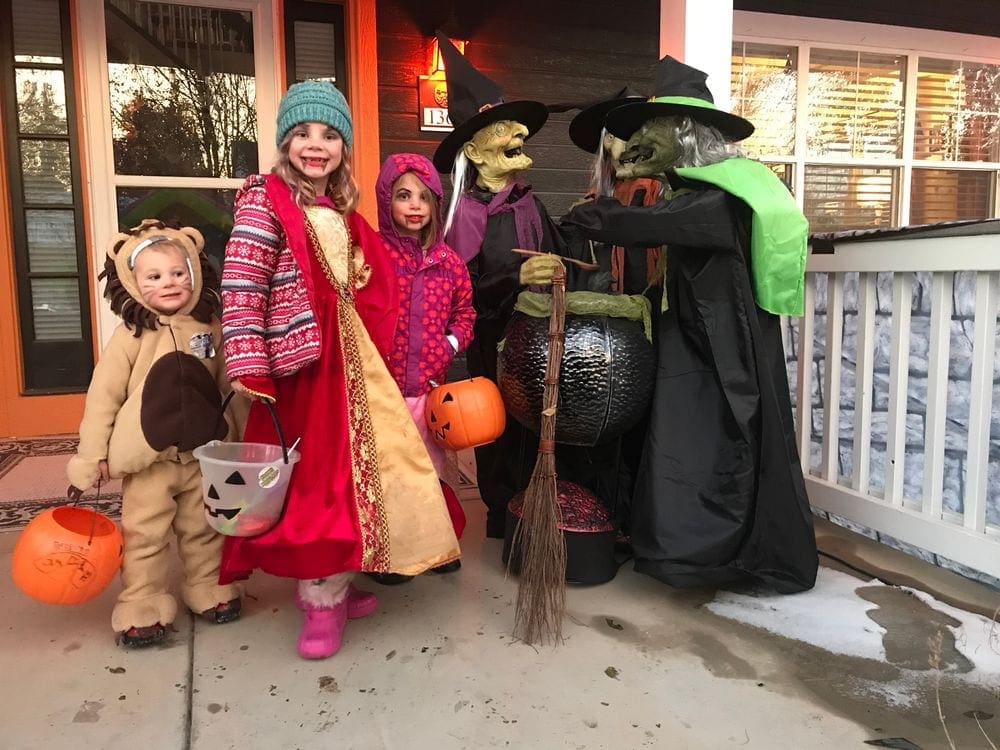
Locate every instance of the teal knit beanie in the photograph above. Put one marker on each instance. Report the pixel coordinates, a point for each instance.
(314, 101)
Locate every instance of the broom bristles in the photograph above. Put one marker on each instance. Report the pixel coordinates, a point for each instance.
(541, 593)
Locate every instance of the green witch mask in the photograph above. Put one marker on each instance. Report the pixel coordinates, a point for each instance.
(651, 151)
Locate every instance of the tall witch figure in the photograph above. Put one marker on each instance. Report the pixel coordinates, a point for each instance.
(720, 496)
(493, 210)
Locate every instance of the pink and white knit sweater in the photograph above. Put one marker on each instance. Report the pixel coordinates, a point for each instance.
(268, 324)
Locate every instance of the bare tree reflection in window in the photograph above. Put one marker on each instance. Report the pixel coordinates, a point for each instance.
(183, 90)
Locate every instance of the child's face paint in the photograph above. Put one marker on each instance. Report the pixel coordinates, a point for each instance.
(411, 205)
(164, 278)
(316, 150)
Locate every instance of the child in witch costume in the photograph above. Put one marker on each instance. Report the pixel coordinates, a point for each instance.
(310, 303)
(435, 301)
(154, 397)
(720, 495)
(491, 213)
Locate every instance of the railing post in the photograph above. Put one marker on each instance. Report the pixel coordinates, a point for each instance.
(938, 350)
(895, 447)
(864, 376)
(981, 398)
(829, 467)
(803, 407)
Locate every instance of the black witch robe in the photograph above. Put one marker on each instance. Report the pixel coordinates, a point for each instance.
(720, 497)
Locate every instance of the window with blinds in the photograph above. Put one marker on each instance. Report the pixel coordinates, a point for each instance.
(314, 42)
(958, 111)
(855, 104)
(838, 198)
(316, 51)
(36, 79)
(950, 194)
(853, 119)
(764, 85)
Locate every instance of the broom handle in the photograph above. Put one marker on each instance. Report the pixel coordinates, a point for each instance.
(550, 393)
(582, 263)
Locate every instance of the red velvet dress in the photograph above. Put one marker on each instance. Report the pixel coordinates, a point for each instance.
(364, 495)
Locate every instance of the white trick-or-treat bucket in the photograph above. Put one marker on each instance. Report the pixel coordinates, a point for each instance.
(244, 484)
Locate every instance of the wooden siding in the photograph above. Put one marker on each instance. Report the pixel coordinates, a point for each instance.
(549, 52)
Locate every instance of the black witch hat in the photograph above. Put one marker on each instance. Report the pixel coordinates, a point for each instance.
(585, 129)
(680, 90)
(474, 101)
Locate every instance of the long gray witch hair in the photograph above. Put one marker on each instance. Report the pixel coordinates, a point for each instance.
(602, 180)
(461, 176)
(700, 145)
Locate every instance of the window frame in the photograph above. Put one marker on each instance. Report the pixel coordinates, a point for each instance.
(805, 34)
(75, 357)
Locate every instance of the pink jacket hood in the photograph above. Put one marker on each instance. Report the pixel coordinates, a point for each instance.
(394, 166)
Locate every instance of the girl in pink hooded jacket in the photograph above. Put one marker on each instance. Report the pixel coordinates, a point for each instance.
(435, 297)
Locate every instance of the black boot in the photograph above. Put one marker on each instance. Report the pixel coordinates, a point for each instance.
(389, 579)
(448, 567)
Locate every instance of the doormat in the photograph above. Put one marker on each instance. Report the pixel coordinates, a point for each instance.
(33, 479)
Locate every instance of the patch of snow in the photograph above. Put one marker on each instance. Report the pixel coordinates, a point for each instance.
(830, 616)
(906, 691)
(833, 617)
(977, 639)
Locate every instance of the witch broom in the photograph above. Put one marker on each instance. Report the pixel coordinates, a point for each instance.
(541, 593)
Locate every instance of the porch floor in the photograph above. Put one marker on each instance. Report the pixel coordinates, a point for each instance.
(643, 665)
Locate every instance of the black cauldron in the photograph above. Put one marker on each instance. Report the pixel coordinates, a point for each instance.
(605, 383)
(587, 528)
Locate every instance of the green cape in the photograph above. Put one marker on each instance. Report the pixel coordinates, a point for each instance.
(778, 234)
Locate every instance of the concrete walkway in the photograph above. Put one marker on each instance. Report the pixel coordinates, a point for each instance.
(642, 666)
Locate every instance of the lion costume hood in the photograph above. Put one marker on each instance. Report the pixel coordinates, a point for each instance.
(122, 289)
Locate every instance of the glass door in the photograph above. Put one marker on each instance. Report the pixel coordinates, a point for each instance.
(181, 86)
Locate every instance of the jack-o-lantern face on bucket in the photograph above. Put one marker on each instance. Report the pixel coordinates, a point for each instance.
(465, 414)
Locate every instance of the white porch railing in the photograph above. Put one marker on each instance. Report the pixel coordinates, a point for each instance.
(894, 387)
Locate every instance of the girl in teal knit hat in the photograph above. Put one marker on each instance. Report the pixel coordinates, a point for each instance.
(309, 311)
(318, 110)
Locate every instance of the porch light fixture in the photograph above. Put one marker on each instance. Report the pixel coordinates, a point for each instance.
(432, 92)
(437, 62)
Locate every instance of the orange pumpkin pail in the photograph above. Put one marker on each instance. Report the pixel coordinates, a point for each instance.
(465, 414)
(67, 555)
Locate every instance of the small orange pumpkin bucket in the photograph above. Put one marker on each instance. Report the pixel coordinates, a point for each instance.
(465, 414)
(67, 555)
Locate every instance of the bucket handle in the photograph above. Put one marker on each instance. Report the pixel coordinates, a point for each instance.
(75, 495)
(274, 418)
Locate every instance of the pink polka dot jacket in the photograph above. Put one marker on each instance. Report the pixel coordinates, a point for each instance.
(435, 292)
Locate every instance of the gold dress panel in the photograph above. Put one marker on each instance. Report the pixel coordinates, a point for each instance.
(404, 520)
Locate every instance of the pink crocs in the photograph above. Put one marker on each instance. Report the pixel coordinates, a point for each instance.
(322, 631)
(359, 603)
